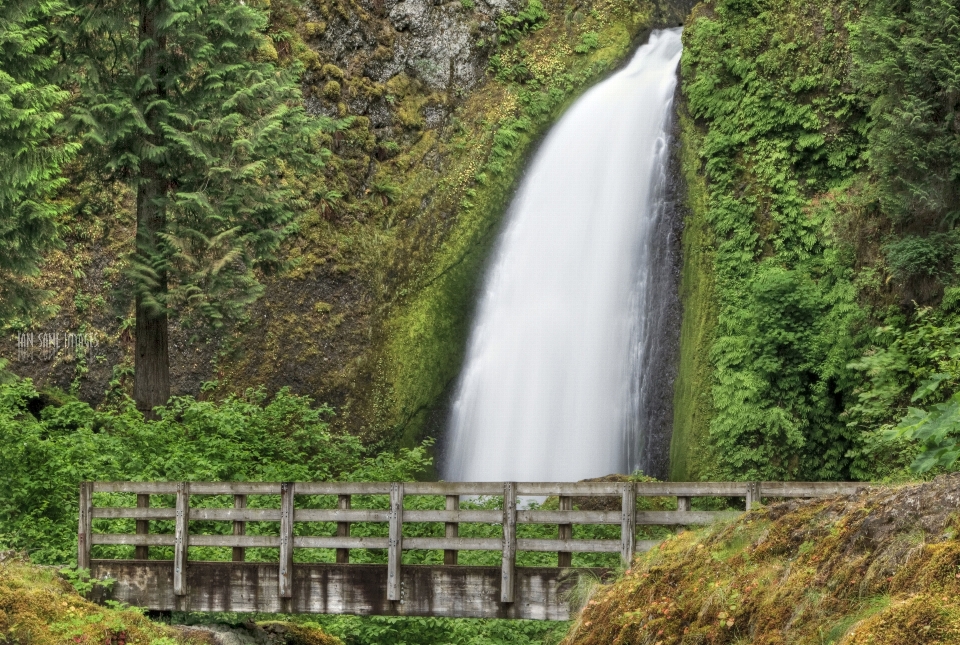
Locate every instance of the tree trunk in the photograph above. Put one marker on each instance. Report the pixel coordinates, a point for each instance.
(151, 381)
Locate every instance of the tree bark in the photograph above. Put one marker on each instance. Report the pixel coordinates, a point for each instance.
(151, 381)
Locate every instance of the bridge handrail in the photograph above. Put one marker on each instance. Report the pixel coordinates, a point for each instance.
(644, 489)
(628, 517)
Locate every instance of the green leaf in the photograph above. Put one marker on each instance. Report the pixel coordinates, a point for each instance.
(929, 386)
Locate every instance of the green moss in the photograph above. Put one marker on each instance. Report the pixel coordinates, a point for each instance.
(329, 70)
(306, 633)
(39, 607)
(804, 574)
(693, 402)
(331, 90)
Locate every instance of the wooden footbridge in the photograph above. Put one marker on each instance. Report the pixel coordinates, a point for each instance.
(293, 517)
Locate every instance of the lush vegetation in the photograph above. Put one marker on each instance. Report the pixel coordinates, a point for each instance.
(393, 630)
(811, 235)
(31, 155)
(244, 438)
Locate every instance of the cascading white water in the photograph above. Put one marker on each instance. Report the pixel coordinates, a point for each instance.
(554, 383)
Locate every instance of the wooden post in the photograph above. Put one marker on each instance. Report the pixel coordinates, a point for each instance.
(286, 539)
(85, 530)
(565, 532)
(451, 529)
(509, 561)
(239, 528)
(343, 529)
(395, 542)
(628, 524)
(142, 551)
(753, 494)
(683, 504)
(181, 540)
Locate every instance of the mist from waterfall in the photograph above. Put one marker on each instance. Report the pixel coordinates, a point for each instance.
(558, 376)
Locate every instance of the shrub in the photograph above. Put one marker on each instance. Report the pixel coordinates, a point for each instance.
(243, 438)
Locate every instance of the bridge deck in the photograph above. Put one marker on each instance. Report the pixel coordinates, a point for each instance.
(449, 590)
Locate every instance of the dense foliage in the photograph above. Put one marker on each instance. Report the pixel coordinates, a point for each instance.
(245, 438)
(177, 100)
(31, 155)
(174, 100)
(908, 365)
(773, 109)
(183, 104)
(909, 71)
(828, 141)
(396, 630)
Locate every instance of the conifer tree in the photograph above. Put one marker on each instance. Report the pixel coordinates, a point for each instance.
(908, 65)
(31, 156)
(176, 98)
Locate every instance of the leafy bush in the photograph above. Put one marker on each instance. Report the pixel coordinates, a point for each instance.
(906, 364)
(913, 256)
(244, 438)
(399, 630)
(937, 429)
(389, 630)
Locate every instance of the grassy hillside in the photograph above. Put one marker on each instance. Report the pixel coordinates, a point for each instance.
(883, 567)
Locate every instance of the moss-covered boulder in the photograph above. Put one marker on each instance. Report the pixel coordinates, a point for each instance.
(38, 606)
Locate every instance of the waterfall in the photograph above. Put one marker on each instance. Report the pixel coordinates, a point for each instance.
(559, 370)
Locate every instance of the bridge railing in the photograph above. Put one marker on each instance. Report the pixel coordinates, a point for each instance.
(395, 516)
